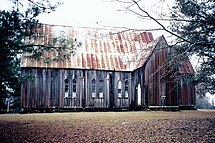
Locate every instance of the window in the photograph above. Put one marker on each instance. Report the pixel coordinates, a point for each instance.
(66, 81)
(74, 88)
(126, 88)
(93, 88)
(119, 89)
(101, 83)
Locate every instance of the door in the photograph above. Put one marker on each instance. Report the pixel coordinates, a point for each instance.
(111, 94)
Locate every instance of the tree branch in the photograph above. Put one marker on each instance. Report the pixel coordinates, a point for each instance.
(163, 27)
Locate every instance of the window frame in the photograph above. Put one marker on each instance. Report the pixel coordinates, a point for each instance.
(74, 88)
(66, 87)
(126, 88)
(101, 88)
(119, 89)
(93, 86)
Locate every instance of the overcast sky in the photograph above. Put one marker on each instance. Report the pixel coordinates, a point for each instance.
(100, 13)
(91, 13)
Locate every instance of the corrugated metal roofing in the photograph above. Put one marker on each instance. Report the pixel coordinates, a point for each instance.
(145, 52)
(186, 67)
(100, 49)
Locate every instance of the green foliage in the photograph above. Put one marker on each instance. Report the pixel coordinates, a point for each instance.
(15, 25)
(194, 22)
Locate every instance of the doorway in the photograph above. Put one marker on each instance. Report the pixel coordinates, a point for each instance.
(111, 94)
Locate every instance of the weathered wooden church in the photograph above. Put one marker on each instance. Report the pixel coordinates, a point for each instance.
(109, 71)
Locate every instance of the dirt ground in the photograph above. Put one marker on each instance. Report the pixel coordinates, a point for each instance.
(95, 127)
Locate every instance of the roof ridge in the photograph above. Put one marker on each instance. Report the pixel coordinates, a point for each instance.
(109, 50)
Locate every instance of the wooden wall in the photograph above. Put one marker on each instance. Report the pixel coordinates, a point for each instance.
(139, 80)
(46, 88)
(186, 92)
(121, 101)
(161, 88)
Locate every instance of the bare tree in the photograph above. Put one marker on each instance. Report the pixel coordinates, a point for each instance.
(192, 23)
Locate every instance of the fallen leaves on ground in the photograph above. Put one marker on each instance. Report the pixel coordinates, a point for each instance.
(98, 127)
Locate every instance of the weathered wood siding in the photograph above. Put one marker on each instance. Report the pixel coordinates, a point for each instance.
(108, 97)
(65, 88)
(186, 92)
(139, 79)
(96, 97)
(45, 88)
(161, 88)
(120, 99)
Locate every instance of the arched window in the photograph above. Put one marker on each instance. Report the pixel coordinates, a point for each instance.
(66, 81)
(119, 89)
(74, 82)
(126, 88)
(101, 84)
(93, 88)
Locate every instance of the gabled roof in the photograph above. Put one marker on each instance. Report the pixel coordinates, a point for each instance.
(186, 67)
(100, 49)
(145, 53)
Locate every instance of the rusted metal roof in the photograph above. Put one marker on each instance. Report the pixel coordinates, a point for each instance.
(145, 52)
(100, 49)
(186, 67)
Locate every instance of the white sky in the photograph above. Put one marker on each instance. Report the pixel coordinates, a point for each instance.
(99, 13)
(89, 13)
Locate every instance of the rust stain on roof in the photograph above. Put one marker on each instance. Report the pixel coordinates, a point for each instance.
(100, 49)
(186, 67)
